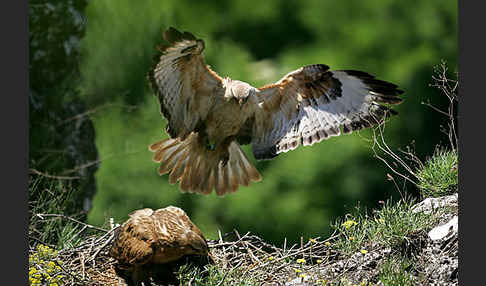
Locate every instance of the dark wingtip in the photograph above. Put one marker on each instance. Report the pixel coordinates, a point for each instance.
(387, 92)
(188, 36)
(172, 35)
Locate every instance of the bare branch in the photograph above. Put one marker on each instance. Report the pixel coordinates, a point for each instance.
(37, 172)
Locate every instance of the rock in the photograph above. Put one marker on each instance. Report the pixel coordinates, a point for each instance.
(299, 281)
(430, 204)
(445, 230)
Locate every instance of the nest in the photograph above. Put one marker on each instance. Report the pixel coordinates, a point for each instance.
(268, 264)
(89, 263)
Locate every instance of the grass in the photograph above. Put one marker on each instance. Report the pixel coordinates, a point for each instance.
(389, 227)
(438, 177)
(51, 232)
(395, 272)
(56, 198)
(212, 275)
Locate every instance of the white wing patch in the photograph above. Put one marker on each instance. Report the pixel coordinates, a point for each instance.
(346, 101)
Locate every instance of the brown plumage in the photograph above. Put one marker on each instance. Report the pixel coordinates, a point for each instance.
(209, 117)
(151, 237)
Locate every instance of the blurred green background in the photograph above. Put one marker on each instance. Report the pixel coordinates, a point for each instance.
(302, 191)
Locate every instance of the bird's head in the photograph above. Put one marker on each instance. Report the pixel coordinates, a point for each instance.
(194, 243)
(240, 92)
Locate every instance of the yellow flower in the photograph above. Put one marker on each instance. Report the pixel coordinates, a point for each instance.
(270, 258)
(301, 260)
(349, 223)
(319, 261)
(351, 238)
(312, 240)
(364, 251)
(302, 275)
(298, 270)
(327, 243)
(381, 220)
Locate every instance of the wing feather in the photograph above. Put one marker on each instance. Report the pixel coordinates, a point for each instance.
(184, 85)
(313, 103)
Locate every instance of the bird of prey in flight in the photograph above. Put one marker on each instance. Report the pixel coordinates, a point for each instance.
(209, 117)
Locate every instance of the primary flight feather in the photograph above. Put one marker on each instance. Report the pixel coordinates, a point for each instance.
(209, 117)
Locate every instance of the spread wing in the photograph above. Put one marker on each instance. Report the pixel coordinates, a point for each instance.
(184, 85)
(313, 103)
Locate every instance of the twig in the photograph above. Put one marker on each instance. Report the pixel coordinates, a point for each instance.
(86, 165)
(103, 246)
(82, 265)
(96, 109)
(41, 216)
(37, 172)
(245, 244)
(227, 272)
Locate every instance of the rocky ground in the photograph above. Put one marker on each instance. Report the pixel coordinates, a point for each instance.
(435, 254)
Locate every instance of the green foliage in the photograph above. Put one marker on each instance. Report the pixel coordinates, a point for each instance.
(301, 190)
(388, 227)
(439, 175)
(212, 275)
(395, 272)
(57, 198)
(61, 139)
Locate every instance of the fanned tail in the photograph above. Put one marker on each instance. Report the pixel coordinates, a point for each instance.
(201, 170)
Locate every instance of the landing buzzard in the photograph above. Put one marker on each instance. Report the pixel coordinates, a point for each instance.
(209, 117)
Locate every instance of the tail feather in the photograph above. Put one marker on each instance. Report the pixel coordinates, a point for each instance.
(244, 177)
(220, 182)
(179, 168)
(160, 145)
(160, 153)
(231, 177)
(245, 165)
(170, 159)
(200, 170)
(235, 177)
(211, 183)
